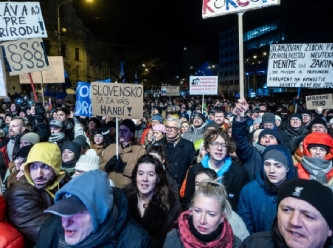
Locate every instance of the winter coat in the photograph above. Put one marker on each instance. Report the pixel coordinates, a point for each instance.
(126, 232)
(249, 156)
(9, 236)
(16, 146)
(193, 134)
(233, 180)
(294, 135)
(129, 155)
(155, 220)
(180, 158)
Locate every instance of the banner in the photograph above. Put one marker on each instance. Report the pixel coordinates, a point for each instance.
(117, 100)
(315, 101)
(169, 90)
(203, 85)
(211, 8)
(3, 87)
(300, 65)
(24, 56)
(83, 106)
(21, 20)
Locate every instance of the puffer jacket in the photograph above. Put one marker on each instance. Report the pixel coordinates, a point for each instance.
(193, 134)
(9, 236)
(129, 155)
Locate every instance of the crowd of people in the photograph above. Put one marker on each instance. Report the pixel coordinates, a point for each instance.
(189, 173)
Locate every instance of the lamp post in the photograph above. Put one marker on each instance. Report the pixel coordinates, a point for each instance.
(59, 28)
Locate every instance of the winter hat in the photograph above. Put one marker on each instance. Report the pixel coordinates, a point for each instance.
(318, 120)
(258, 120)
(74, 147)
(299, 116)
(157, 118)
(56, 123)
(268, 118)
(277, 117)
(318, 138)
(159, 128)
(129, 124)
(311, 191)
(212, 124)
(31, 137)
(81, 140)
(200, 115)
(271, 132)
(327, 148)
(23, 152)
(89, 161)
(278, 153)
(96, 120)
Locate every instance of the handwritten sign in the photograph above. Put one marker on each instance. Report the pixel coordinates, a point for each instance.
(83, 106)
(315, 101)
(24, 56)
(203, 85)
(3, 87)
(55, 74)
(117, 100)
(21, 20)
(212, 8)
(300, 65)
(170, 90)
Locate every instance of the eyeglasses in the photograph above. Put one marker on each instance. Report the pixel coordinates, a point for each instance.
(171, 128)
(123, 131)
(217, 144)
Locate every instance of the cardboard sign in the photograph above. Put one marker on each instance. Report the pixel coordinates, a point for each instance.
(300, 65)
(117, 100)
(83, 106)
(3, 87)
(203, 85)
(211, 8)
(55, 74)
(24, 56)
(21, 20)
(170, 90)
(315, 101)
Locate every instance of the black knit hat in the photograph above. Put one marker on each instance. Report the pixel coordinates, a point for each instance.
(97, 121)
(271, 132)
(129, 124)
(23, 152)
(327, 148)
(311, 191)
(74, 147)
(200, 115)
(318, 120)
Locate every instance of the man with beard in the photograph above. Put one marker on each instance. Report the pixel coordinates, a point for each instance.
(34, 192)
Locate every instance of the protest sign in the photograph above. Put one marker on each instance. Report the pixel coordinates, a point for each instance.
(315, 101)
(24, 56)
(203, 85)
(300, 65)
(21, 20)
(211, 8)
(83, 106)
(3, 87)
(170, 90)
(117, 100)
(55, 74)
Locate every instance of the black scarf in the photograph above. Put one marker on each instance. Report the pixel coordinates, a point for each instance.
(206, 238)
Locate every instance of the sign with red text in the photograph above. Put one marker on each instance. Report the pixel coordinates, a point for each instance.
(117, 100)
(212, 8)
(203, 85)
(23, 56)
(308, 65)
(315, 101)
(55, 74)
(21, 20)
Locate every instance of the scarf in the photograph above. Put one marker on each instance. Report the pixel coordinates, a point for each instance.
(56, 137)
(69, 166)
(189, 240)
(317, 168)
(259, 147)
(174, 140)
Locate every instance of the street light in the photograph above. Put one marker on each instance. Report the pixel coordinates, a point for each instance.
(59, 31)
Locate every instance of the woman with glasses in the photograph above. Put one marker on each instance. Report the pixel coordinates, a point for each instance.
(218, 146)
(206, 223)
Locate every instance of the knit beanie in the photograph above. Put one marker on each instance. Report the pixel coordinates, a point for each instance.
(299, 116)
(201, 116)
(89, 161)
(157, 117)
(271, 132)
(327, 148)
(129, 124)
(81, 140)
(311, 191)
(318, 120)
(56, 123)
(31, 137)
(159, 128)
(23, 152)
(268, 118)
(74, 147)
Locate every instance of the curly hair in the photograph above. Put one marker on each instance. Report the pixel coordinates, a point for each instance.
(212, 134)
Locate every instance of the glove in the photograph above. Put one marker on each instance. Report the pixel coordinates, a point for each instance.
(39, 109)
(105, 129)
(115, 164)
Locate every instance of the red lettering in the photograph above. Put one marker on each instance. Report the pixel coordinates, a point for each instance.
(240, 4)
(206, 7)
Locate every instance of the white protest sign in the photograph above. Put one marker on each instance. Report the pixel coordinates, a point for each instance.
(315, 101)
(300, 65)
(170, 90)
(117, 100)
(21, 20)
(55, 73)
(203, 85)
(3, 87)
(25, 56)
(211, 8)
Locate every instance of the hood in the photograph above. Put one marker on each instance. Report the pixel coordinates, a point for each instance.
(318, 138)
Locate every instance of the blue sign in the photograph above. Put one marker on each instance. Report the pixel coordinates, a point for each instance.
(83, 105)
